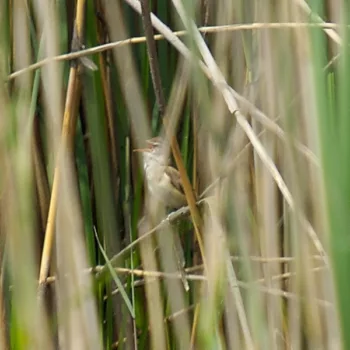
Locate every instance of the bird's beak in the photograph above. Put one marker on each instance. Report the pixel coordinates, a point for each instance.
(153, 142)
(141, 150)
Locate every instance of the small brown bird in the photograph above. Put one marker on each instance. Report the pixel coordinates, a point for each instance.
(163, 181)
(164, 184)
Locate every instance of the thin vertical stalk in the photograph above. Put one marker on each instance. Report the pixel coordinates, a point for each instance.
(67, 136)
(151, 49)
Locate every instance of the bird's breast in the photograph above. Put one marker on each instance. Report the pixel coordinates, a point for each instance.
(160, 187)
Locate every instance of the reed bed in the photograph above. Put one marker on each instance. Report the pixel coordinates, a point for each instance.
(253, 100)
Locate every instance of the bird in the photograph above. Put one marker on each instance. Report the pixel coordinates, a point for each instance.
(163, 181)
(165, 185)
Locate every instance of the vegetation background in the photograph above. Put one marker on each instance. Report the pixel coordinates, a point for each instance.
(256, 95)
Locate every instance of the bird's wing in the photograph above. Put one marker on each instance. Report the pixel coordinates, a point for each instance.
(174, 177)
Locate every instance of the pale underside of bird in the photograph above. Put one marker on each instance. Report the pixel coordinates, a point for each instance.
(163, 181)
